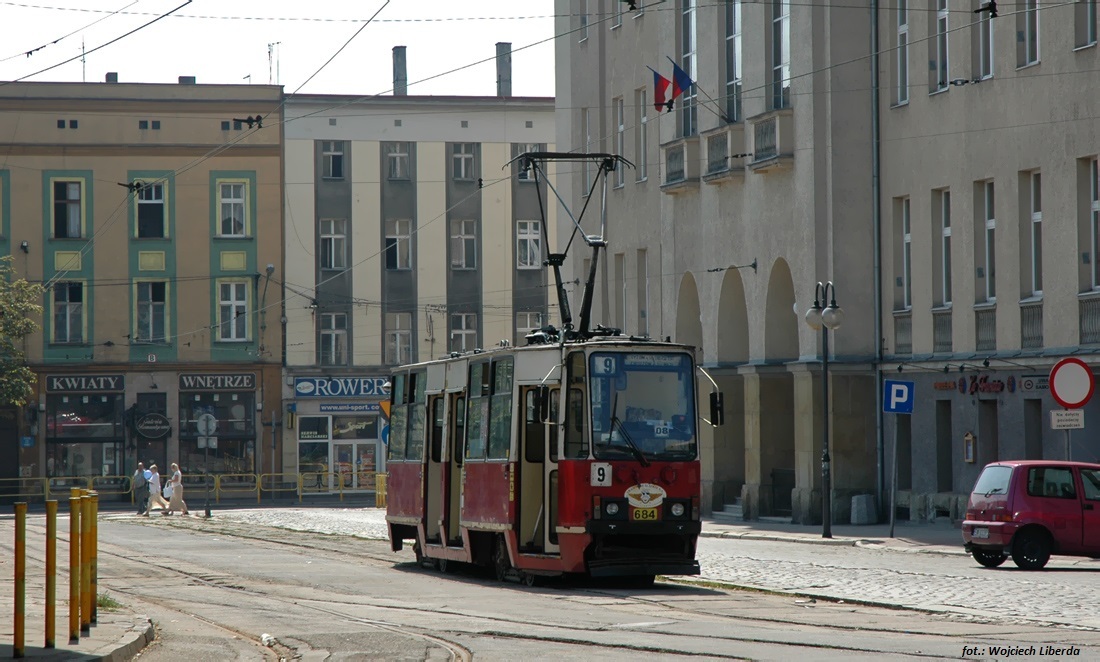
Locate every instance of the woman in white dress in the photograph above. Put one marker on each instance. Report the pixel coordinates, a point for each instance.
(176, 502)
(155, 499)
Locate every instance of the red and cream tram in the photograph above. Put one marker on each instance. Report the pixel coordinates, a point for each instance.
(577, 453)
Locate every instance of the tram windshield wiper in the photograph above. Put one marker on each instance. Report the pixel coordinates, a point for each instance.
(612, 421)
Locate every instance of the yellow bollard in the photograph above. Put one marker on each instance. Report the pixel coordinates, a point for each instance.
(74, 568)
(95, 557)
(85, 562)
(20, 578)
(51, 571)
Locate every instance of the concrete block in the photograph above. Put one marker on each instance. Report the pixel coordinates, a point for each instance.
(863, 509)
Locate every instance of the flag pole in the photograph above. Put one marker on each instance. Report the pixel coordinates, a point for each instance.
(719, 112)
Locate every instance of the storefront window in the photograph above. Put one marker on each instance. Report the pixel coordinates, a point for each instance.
(233, 451)
(90, 416)
(313, 427)
(354, 427)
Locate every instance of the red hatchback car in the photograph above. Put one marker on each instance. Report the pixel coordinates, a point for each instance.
(1030, 509)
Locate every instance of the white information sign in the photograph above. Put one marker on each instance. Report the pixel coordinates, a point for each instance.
(1067, 419)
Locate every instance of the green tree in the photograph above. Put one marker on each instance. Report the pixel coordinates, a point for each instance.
(19, 308)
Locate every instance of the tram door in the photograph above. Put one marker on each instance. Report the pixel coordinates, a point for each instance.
(531, 460)
(550, 490)
(456, 433)
(434, 481)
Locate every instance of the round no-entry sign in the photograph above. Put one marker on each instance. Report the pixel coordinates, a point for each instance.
(1071, 383)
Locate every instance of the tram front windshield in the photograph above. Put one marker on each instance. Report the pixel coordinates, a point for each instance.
(643, 406)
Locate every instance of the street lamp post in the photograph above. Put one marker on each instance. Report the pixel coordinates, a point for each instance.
(825, 317)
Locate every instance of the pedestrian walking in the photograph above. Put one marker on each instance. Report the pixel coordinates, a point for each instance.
(176, 502)
(141, 489)
(155, 499)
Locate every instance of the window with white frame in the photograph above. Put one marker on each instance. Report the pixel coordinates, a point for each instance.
(617, 21)
(620, 139)
(333, 349)
(152, 306)
(398, 334)
(990, 243)
(232, 198)
(463, 243)
(643, 292)
(150, 212)
(398, 243)
(68, 209)
(586, 135)
(641, 134)
(462, 161)
(984, 27)
(463, 332)
(945, 247)
(397, 160)
(334, 237)
(528, 245)
(733, 60)
(901, 82)
(583, 16)
(781, 54)
(938, 49)
(233, 311)
(332, 159)
(1035, 180)
(1027, 31)
(689, 111)
(527, 321)
(68, 312)
(1094, 218)
(1084, 23)
(528, 175)
(906, 256)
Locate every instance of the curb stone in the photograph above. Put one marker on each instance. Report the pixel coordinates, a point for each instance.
(140, 635)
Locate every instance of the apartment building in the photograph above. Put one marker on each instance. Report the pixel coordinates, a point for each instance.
(410, 235)
(152, 214)
(991, 222)
(751, 190)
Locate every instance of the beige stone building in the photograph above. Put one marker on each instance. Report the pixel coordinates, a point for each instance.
(152, 214)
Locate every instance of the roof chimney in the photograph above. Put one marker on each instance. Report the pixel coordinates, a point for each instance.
(112, 76)
(504, 68)
(187, 80)
(400, 76)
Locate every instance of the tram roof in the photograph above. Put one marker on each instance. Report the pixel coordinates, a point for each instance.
(619, 342)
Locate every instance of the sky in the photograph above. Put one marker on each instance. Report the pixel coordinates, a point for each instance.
(228, 43)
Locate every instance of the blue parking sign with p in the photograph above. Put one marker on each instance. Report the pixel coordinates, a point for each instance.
(897, 397)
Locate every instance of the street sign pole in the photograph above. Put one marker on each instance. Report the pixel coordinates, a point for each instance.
(897, 398)
(894, 480)
(206, 472)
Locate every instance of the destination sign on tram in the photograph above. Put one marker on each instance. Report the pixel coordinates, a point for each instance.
(655, 360)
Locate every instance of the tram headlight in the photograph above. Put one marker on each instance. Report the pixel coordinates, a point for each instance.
(677, 510)
(612, 508)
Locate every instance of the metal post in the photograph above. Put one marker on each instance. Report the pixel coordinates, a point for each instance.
(206, 473)
(94, 556)
(18, 643)
(1067, 445)
(85, 562)
(894, 480)
(826, 478)
(51, 571)
(74, 568)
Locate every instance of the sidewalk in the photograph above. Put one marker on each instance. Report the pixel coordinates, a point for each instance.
(942, 537)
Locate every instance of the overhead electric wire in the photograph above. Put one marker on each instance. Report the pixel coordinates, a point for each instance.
(32, 51)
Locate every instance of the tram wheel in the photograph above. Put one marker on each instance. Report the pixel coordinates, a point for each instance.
(443, 566)
(419, 553)
(530, 580)
(501, 565)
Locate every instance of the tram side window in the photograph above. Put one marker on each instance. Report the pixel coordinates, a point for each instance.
(460, 429)
(477, 415)
(416, 417)
(500, 410)
(534, 433)
(575, 429)
(438, 421)
(398, 420)
(553, 427)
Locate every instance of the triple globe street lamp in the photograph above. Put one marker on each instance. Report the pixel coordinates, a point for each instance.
(825, 317)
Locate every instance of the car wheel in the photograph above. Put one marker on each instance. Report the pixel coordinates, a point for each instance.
(989, 558)
(1031, 549)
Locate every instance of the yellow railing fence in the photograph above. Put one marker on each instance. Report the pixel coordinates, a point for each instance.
(236, 484)
(276, 483)
(380, 489)
(24, 488)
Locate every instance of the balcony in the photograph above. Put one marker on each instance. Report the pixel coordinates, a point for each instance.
(1031, 324)
(680, 164)
(941, 330)
(772, 140)
(985, 324)
(725, 153)
(1089, 309)
(903, 332)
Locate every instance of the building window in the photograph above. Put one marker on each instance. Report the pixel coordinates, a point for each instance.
(643, 292)
(617, 21)
(1027, 29)
(733, 60)
(334, 243)
(463, 332)
(1084, 20)
(398, 350)
(906, 256)
(944, 238)
(586, 133)
(332, 159)
(990, 243)
(462, 160)
(398, 243)
(781, 54)
(641, 134)
(1035, 238)
(233, 311)
(938, 49)
(528, 175)
(583, 15)
(1094, 218)
(232, 196)
(152, 306)
(984, 26)
(150, 212)
(527, 321)
(68, 312)
(68, 207)
(463, 243)
(397, 159)
(620, 139)
(689, 112)
(901, 87)
(334, 339)
(528, 245)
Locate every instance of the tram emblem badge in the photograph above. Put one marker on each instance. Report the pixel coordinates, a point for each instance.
(645, 495)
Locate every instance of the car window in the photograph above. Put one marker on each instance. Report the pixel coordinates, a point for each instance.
(994, 480)
(1054, 482)
(1090, 484)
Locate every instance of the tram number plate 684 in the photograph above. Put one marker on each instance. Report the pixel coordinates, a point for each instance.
(644, 514)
